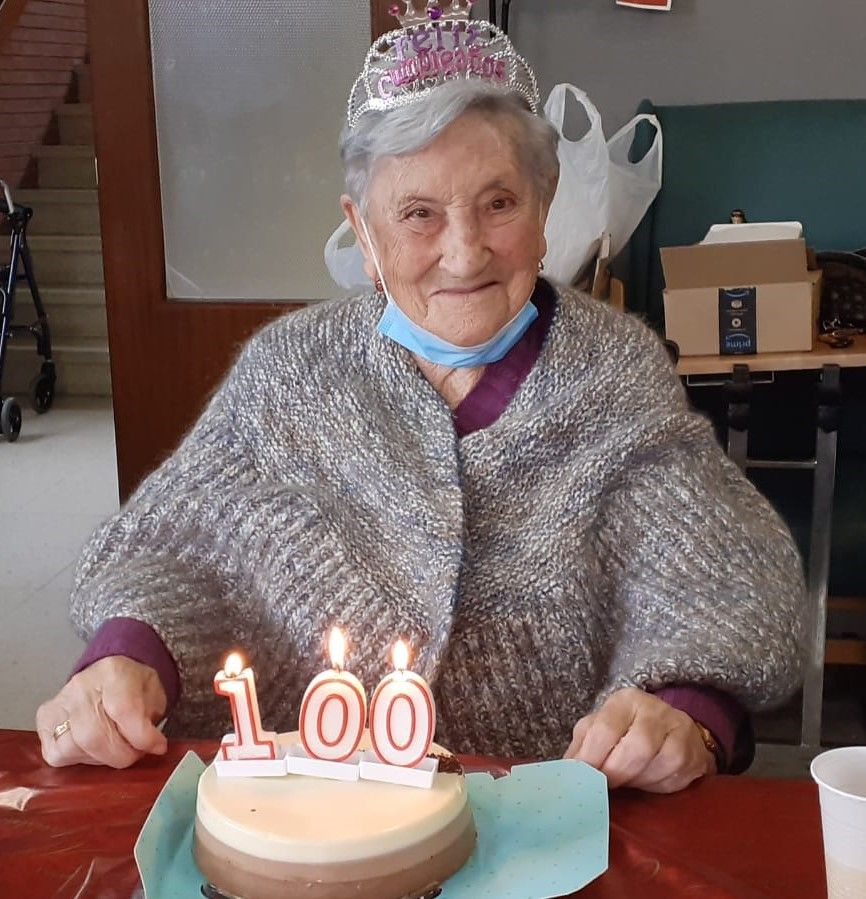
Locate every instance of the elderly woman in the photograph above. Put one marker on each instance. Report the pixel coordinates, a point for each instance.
(502, 471)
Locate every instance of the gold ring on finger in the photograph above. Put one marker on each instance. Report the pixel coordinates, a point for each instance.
(61, 729)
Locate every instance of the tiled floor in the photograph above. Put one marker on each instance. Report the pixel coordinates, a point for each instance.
(57, 483)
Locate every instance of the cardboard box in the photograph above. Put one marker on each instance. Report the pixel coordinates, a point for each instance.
(741, 298)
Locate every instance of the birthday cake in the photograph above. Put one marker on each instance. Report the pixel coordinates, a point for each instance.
(295, 836)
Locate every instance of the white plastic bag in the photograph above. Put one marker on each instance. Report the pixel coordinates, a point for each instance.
(578, 213)
(346, 264)
(632, 186)
(599, 189)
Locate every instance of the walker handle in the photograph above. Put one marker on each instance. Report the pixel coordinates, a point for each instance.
(8, 194)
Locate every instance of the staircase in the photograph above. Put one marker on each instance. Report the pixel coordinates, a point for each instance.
(67, 256)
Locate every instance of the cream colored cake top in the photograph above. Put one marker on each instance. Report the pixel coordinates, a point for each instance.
(312, 820)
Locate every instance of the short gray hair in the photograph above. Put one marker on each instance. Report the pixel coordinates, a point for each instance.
(407, 129)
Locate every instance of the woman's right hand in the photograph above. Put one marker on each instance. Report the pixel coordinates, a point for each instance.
(112, 707)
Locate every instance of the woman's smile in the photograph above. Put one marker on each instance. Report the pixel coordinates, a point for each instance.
(464, 291)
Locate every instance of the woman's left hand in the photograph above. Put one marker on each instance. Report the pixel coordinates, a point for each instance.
(638, 740)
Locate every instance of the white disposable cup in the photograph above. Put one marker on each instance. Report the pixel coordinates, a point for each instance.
(841, 778)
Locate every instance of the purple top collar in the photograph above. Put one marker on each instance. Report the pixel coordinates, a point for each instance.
(501, 380)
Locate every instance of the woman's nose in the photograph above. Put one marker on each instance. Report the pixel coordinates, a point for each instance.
(464, 250)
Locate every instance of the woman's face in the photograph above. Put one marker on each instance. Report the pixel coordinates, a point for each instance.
(458, 230)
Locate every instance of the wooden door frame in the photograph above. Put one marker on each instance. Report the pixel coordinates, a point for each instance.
(153, 404)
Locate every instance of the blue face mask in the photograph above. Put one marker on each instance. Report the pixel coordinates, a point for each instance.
(401, 329)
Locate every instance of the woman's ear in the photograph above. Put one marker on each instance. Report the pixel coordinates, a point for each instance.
(545, 210)
(353, 216)
(542, 240)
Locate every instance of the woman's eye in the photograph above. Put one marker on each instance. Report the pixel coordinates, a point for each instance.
(501, 203)
(420, 213)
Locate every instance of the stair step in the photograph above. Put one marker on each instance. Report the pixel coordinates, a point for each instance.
(82, 368)
(59, 151)
(68, 322)
(73, 312)
(66, 165)
(70, 243)
(75, 121)
(59, 295)
(32, 195)
(62, 211)
(67, 260)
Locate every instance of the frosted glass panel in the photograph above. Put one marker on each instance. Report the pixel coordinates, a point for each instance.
(250, 99)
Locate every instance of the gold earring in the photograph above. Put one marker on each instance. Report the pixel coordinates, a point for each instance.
(541, 265)
(380, 287)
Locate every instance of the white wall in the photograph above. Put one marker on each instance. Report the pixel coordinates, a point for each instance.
(703, 51)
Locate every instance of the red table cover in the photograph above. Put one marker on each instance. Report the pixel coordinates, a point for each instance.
(68, 833)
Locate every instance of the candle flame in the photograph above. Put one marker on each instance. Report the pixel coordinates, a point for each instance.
(401, 656)
(337, 648)
(234, 665)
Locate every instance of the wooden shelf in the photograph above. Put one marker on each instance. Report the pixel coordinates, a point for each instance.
(847, 603)
(845, 652)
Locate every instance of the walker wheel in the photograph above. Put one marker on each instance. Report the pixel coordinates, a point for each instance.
(42, 393)
(10, 419)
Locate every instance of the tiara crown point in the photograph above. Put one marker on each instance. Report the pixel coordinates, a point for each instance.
(409, 15)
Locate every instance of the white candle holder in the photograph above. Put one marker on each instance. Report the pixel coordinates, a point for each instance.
(298, 762)
(249, 767)
(421, 775)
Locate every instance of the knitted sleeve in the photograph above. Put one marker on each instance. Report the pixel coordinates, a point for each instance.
(704, 578)
(184, 553)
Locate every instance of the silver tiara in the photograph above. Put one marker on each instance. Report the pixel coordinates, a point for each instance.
(436, 44)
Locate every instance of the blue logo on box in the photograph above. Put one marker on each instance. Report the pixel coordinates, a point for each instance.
(738, 321)
(737, 344)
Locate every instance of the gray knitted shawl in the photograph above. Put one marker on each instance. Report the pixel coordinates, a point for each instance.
(593, 537)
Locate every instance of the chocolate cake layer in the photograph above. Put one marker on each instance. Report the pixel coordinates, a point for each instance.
(394, 875)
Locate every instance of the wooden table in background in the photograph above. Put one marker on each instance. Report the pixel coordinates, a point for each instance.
(853, 356)
(69, 832)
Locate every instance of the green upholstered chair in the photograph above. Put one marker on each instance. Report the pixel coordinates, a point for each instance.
(779, 161)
